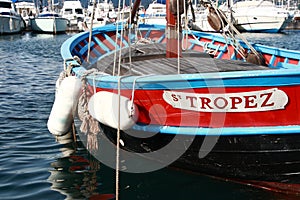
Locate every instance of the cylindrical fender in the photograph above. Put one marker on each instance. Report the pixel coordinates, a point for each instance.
(61, 116)
(103, 106)
(214, 20)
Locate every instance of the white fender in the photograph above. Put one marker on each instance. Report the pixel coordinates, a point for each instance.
(57, 85)
(103, 106)
(61, 118)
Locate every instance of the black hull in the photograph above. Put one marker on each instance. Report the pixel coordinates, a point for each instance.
(274, 158)
(251, 159)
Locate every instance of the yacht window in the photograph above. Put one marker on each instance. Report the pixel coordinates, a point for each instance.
(78, 11)
(68, 11)
(5, 4)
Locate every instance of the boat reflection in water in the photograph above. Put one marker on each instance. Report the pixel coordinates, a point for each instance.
(74, 174)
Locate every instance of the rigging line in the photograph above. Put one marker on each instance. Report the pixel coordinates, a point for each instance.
(117, 30)
(119, 99)
(90, 33)
(238, 33)
(133, 89)
(185, 44)
(119, 94)
(178, 38)
(129, 38)
(94, 83)
(227, 42)
(121, 40)
(235, 44)
(118, 140)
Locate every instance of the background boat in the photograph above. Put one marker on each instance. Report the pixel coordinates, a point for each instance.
(258, 16)
(155, 13)
(74, 12)
(26, 9)
(246, 16)
(10, 21)
(104, 14)
(49, 22)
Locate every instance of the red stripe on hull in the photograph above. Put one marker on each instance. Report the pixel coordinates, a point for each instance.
(153, 109)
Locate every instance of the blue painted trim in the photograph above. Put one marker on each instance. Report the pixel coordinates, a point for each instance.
(271, 78)
(161, 38)
(103, 46)
(148, 33)
(275, 78)
(226, 131)
(111, 41)
(124, 42)
(84, 49)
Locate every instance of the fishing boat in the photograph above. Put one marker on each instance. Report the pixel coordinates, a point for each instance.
(10, 21)
(156, 96)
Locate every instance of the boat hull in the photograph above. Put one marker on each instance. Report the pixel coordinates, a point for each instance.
(248, 113)
(260, 16)
(267, 24)
(49, 25)
(261, 157)
(11, 24)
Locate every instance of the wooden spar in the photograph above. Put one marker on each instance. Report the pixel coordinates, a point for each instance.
(134, 10)
(173, 44)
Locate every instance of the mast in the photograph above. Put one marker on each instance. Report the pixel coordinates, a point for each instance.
(134, 11)
(173, 44)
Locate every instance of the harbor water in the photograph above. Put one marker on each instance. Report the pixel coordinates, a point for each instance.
(33, 165)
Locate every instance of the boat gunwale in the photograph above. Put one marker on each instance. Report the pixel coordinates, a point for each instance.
(79, 70)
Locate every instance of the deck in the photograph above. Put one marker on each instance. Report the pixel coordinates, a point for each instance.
(150, 59)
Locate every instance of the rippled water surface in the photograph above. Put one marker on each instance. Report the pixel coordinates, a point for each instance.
(33, 165)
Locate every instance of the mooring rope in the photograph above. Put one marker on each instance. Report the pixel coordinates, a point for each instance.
(184, 42)
(89, 125)
(118, 141)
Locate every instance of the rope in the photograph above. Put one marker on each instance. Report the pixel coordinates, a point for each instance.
(89, 125)
(117, 29)
(238, 33)
(133, 92)
(118, 141)
(90, 33)
(185, 44)
(129, 39)
(178, 37)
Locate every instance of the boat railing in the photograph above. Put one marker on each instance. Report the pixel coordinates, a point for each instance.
(102, 44)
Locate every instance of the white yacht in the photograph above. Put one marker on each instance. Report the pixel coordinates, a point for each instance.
(155, 13)
(259, 16)
(74, 12)
(10, 21)
(26, 9)
(49, 22)
(104, 13)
